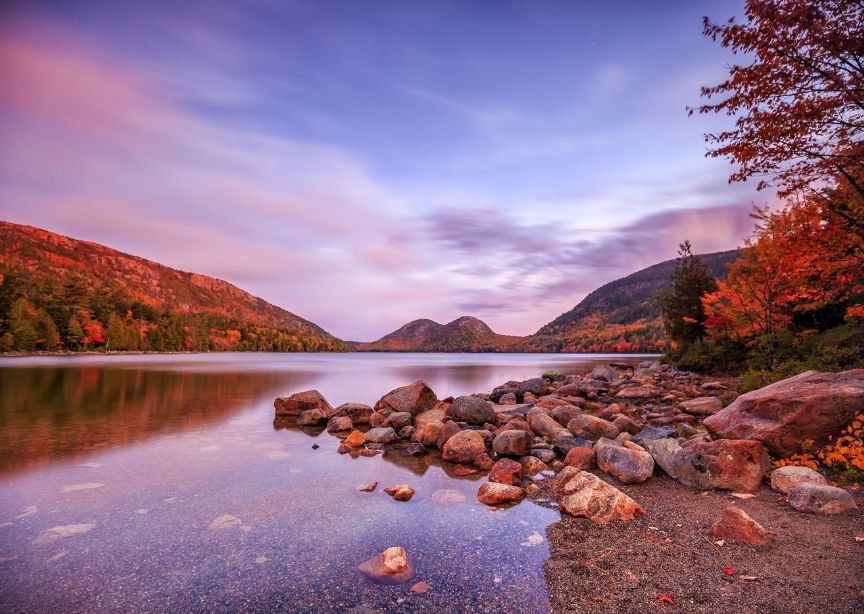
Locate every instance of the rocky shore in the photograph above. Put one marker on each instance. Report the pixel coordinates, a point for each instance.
(673, 455)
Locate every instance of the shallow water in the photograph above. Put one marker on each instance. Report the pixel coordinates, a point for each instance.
(152, 483)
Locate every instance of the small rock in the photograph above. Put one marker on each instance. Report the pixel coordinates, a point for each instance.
(358, 413)
(512, 443)
(580, 458)
(399, 420)
(414, 399)
(370, 487)
(312, 417)
(734, 524)
(472, 410)
(629, 466)
(531, 465)
(400, 492)
(820, 499)
(446, 432)
(785, 478)
(593, 428)
(493, 493)
(702, 406)
(416, 449)
(547, 456)
(464, 447)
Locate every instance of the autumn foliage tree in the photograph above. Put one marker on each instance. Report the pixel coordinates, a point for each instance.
(797, 99)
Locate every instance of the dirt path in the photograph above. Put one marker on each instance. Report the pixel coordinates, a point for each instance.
(814, 565)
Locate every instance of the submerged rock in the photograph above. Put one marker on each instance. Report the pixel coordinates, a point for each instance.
(390, 567)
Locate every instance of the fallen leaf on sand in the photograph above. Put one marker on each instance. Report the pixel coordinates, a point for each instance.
(720, 542)
(749, 578)
(742, 495)
(729, 571)
(859, 537)
(666, 598)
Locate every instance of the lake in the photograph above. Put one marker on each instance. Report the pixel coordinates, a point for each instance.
(158, 482)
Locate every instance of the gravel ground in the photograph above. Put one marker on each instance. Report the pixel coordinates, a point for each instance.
(814, 565)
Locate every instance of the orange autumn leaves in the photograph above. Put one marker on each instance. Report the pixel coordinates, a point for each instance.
(802, 261)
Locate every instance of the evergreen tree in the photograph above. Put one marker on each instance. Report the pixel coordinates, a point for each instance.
(683, 313)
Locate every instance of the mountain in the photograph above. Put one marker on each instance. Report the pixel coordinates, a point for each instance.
(621, 316)
(61, 292)
(465, 334)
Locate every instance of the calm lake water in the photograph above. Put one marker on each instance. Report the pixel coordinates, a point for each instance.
(156, 483)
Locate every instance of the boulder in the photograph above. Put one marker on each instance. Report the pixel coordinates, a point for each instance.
(297, 403)
(563, 414)
(536, 386)
(563, 445)
(472, 410)
(580, 458)
(432, 416)
(811, 405)
(406, 432)
(516, 424)
(356, 439)
(702, 406)
(593, 428)
(512, 443)
(663, 452)
(820, 499)
(786, 478)
(493, 493)
(390, 567)
(381, 435)
(629, 466)
(447, 430)
(727, 464)
(358, 412)
(399, 420)
(400, 492)
(735, 525)
(338, 424)
(415, 449)
(506, 471)
(545, 426)
(312, 417)
(626, 424)
(414, 398)
(588, 496)
(464, 447)
(605, 373)
(428, 433)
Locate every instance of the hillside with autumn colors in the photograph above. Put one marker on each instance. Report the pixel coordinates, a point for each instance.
(61, 293)
(621, 316)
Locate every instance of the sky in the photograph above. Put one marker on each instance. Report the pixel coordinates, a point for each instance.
(366, 163)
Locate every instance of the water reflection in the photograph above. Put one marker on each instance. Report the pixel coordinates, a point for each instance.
(50, 413)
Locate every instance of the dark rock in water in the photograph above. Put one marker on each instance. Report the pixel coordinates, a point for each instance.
(381, 435)
(654, 432)
(565, 444)
(315, 446)
(416, 449)
(811, 405)
(299, 402)
(414, 398)
(472, 410)
(512, 443)
(390, 567)
(536, 386)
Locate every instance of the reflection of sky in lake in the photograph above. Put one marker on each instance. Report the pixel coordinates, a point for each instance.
(168, 488)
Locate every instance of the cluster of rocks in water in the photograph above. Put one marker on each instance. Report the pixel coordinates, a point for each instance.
(620, 420)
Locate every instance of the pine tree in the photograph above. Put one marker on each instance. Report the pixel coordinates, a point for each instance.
(683, 312)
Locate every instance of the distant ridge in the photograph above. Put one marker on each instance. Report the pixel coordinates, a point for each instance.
(72, 279)
(465, 334)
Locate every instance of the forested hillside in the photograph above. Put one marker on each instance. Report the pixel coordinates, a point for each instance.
(61, 293)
